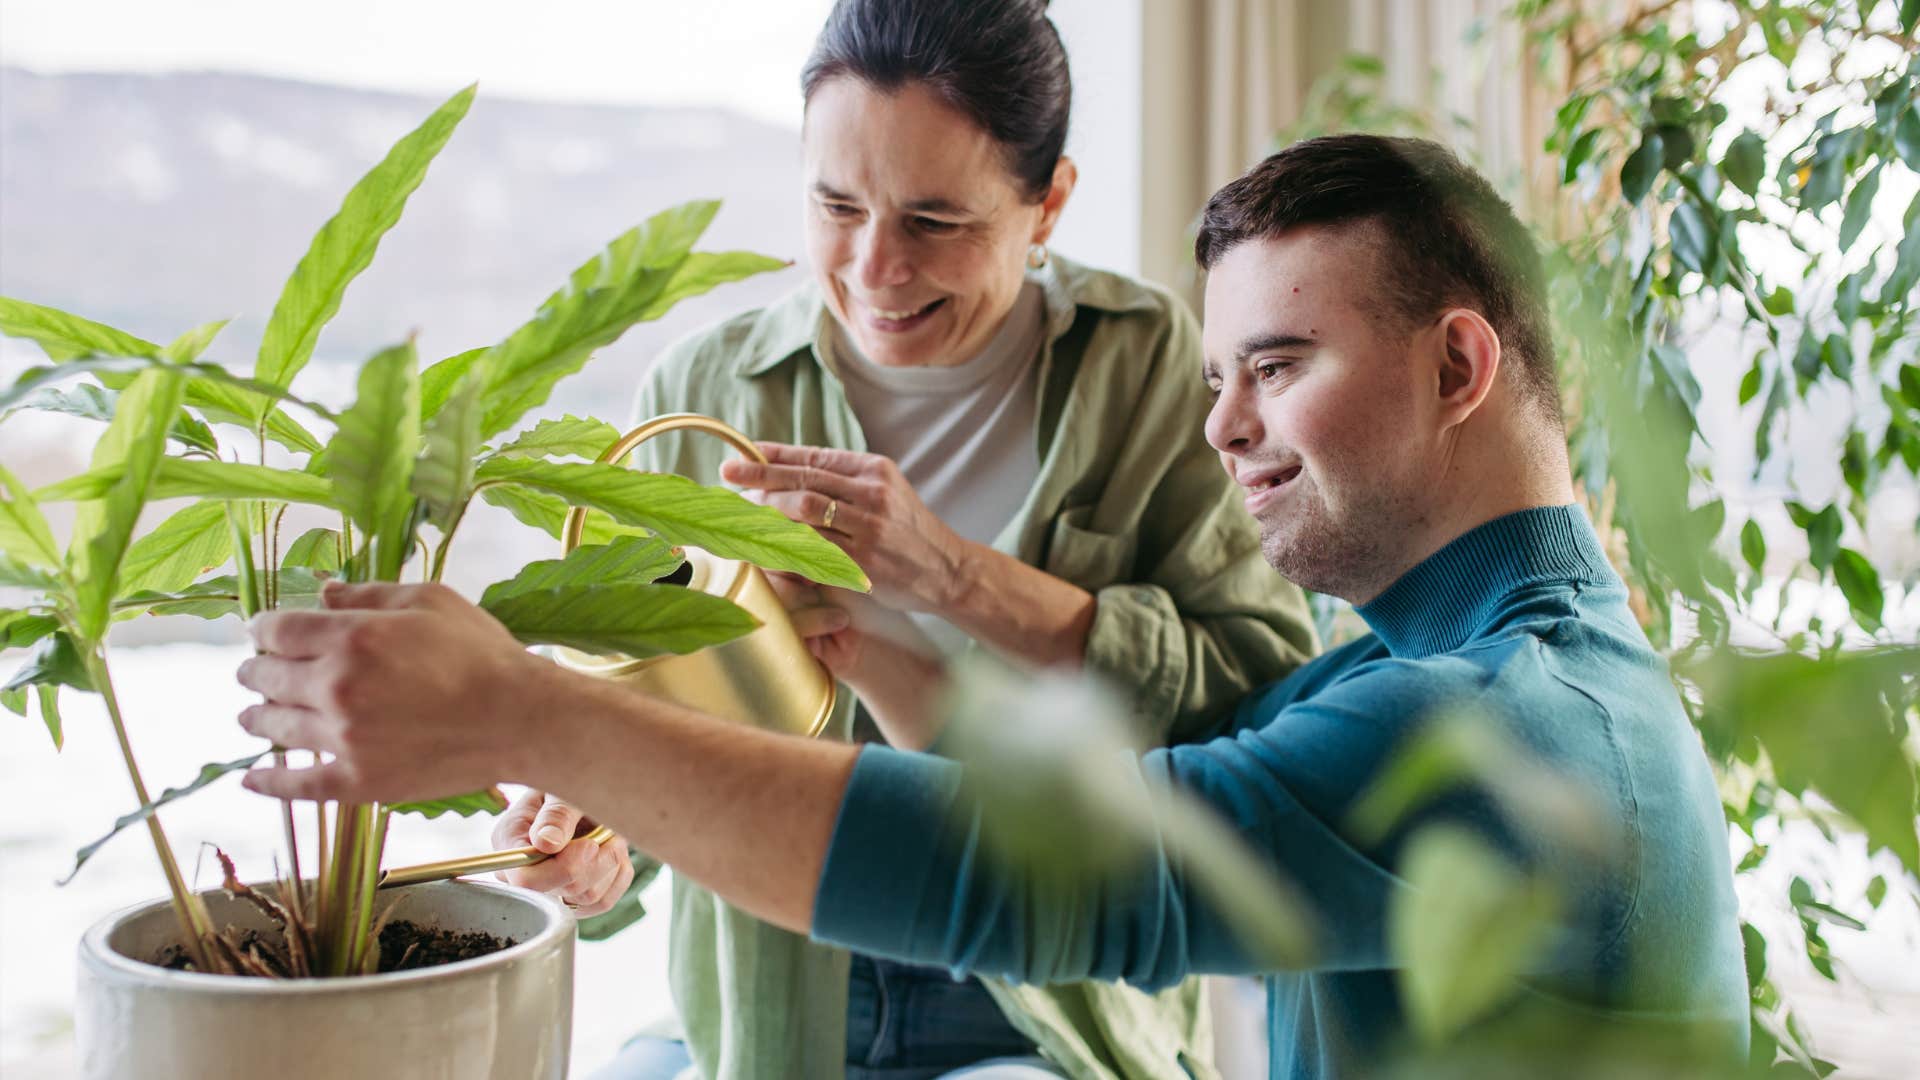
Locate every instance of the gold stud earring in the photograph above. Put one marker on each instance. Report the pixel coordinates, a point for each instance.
(1036, 256)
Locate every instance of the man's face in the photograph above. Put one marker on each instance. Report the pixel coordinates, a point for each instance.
(1322, 412)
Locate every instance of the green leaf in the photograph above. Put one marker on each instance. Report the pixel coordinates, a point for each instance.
(1641, 167)
(55, 661)
(489, 801)
(65, 336)
(191, 478)
(1693, 237)
(90, 402)
(1753, 545)
(316, 549)
(1756, 950)
(208, 774)
(684, 512)
(631, 620)
(1906, 136)
(639, 276)
(219, 597)
(180, 549)
(19, 575)
(629, 560)
(118, 372)
(188, 346)
(19, 629)
(23, 529)
(1578, 154)
(548, 513)
(135, 444)
(438, 381)
(1876, 891)
(443, 477)
(1829, 175)
(48, 695)
(1859, 208)
(1836, 352)
(1861, 583)
(1823, 537)
(345, 245)
(1751, 382)
(1472, 924)
(1745, 162)
(1826, 727)
(370, 459)
(1910, 385)
(1673, 364)
(569, 436)
(14, 701)
(1779, 301)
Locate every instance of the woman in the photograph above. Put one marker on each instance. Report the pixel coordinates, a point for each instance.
(1010, 445)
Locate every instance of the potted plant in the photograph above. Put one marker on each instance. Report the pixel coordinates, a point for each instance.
(341, 984)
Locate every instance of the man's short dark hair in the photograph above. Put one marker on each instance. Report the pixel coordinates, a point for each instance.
(1447, 238)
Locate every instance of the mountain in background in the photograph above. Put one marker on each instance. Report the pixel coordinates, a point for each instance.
(157, 202)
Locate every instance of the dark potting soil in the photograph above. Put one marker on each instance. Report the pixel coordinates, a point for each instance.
(404, 946)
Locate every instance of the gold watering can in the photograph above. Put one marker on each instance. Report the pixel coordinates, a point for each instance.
(766, 678)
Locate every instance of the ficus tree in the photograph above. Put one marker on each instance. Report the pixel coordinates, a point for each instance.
(1730, 188)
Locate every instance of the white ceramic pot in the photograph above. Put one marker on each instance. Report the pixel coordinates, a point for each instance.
(506, 1016)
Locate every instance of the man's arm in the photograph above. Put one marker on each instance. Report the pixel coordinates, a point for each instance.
(416, 693)
(419, 694)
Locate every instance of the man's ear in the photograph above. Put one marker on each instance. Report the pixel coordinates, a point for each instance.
(1469, 363)
(1065, 175)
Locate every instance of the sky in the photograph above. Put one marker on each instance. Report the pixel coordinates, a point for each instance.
(742, 54)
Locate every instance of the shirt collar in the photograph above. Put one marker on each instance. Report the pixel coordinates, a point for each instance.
(1440, 603)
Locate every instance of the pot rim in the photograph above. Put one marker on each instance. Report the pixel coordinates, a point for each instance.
(96, 953)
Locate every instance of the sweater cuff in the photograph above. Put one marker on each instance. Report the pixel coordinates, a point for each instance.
(883, 858)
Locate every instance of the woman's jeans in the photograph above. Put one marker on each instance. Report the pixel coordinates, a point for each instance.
(903, 1023)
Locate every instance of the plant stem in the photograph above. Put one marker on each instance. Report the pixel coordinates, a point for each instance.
(195, 923)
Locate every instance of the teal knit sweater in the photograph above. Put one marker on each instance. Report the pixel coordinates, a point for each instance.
(1521, 622)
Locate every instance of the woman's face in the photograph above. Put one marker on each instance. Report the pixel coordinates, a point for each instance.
(917, 232)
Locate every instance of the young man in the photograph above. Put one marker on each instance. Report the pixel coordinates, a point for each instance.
(1377, 340)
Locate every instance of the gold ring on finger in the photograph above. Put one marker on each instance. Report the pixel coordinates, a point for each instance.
(826, 519)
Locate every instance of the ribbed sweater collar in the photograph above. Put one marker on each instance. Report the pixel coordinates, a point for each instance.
(1438, 605)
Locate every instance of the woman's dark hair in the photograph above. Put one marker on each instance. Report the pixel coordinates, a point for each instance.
(999, 62)
(1445, 236)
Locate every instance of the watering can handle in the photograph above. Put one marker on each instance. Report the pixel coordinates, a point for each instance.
(514, 858)
(659, 425)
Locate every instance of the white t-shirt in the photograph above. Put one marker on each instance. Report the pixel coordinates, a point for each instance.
(963, 436)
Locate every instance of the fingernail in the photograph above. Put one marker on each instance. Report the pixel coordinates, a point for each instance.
(838, 620)
(552, 834)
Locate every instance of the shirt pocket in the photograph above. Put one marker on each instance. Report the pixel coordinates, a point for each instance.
(1089, 559)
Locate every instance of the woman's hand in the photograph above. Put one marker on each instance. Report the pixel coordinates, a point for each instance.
(877, 651)
(862, 503)
(588, 877)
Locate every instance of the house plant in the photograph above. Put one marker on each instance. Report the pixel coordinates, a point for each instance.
(400, 467)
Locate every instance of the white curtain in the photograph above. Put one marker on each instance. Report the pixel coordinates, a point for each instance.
(1221, 78)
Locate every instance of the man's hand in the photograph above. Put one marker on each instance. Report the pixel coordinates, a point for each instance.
(862, 503)
(413, 691)
(588, 877)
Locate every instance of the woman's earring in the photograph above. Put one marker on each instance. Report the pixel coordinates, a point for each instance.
(1036, 256)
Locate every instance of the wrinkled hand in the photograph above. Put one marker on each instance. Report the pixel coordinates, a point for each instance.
(413, 691)
(588, 877)
(912, 557)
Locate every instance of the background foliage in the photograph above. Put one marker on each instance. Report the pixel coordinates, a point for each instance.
(1733, 189)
